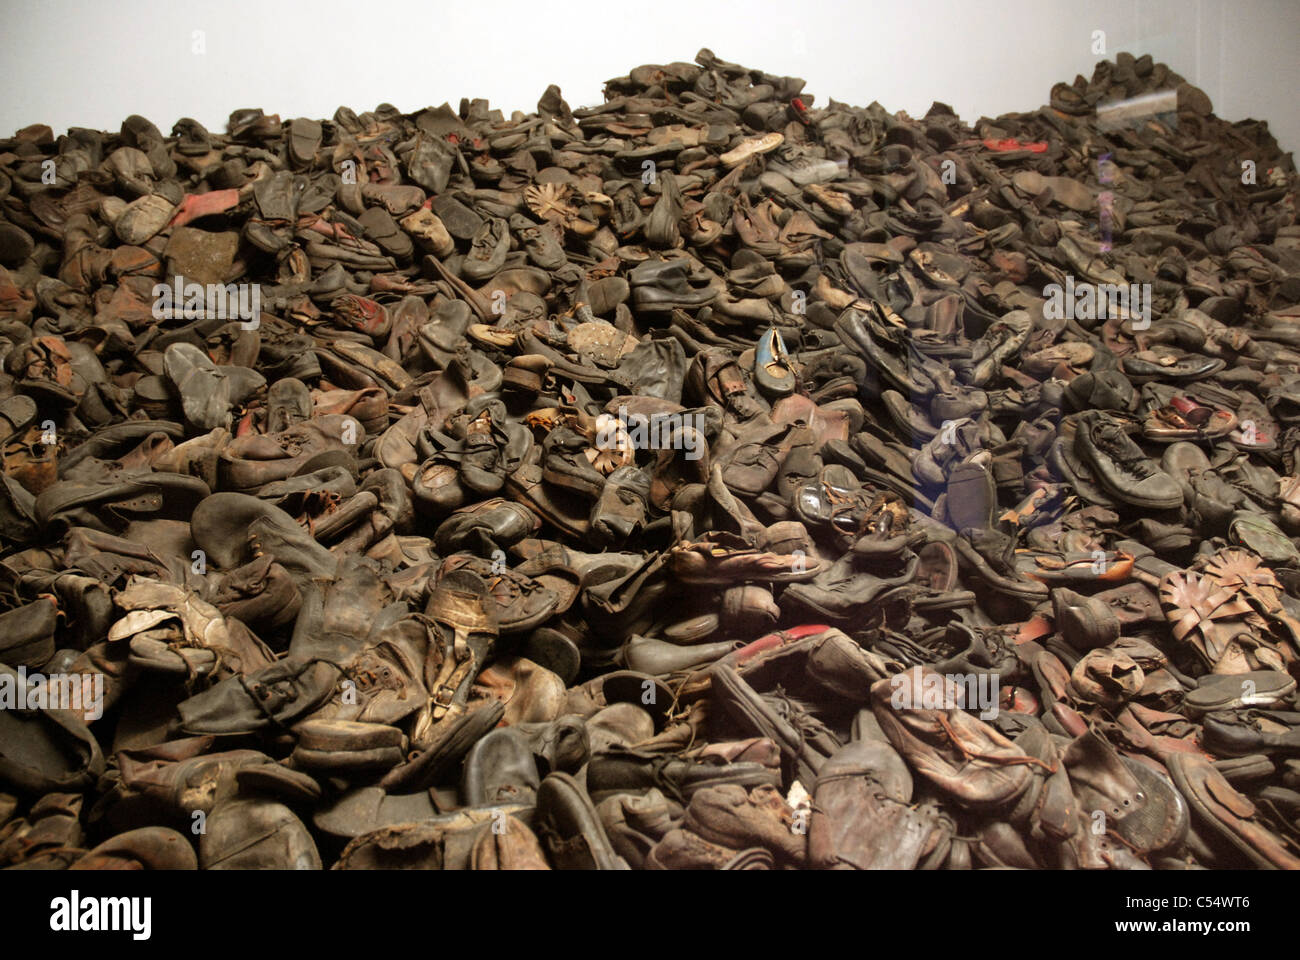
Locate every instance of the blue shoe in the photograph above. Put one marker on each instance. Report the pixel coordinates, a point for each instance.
(772, 369)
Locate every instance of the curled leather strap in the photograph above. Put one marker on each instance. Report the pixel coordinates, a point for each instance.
(1189, 612)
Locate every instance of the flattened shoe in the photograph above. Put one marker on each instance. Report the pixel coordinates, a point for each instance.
(570, 828)
(1227, 814)
(252, 834)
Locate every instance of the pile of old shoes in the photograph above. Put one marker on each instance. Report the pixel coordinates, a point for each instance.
(707, 479)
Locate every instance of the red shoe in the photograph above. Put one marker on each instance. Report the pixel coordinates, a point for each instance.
(196, 205)
(1009, 144)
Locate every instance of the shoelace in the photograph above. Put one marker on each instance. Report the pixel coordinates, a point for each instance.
(661, 780)
(191, 674)
(367, 678)
(1000, 761)
(1111, 441)
(853, 508)
(797, 715)
(328, 502)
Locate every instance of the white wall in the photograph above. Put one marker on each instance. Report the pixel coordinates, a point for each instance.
(75, 64)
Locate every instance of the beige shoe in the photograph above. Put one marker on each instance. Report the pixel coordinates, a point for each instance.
(429, 232)
(752, 148)
(834, 201)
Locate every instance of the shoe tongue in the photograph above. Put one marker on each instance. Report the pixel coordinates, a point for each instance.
(994, 546)
(1117, 445)
(1093, 763)
(461, 594)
